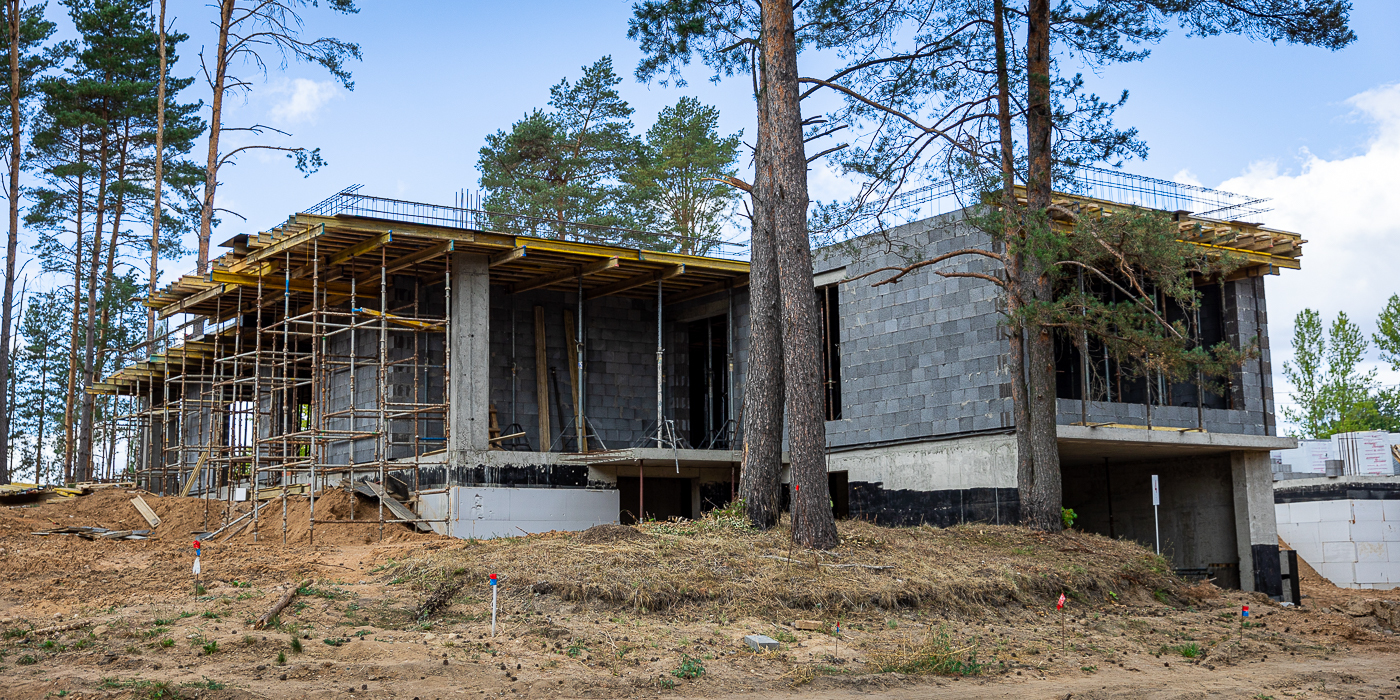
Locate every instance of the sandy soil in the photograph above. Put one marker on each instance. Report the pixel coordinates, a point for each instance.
(141, 633)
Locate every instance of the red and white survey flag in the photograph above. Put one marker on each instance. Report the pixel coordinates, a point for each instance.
(1061, 603)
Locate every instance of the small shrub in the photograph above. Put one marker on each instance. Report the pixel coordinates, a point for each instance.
(784, 636)
(1190, 651)
(209, 615)
(26, 660)
(296, 645)
(167, 643)
(211, 647)
(281, 658)
(199, 589)
(1068, 516)
(689, 669)
(667, 684)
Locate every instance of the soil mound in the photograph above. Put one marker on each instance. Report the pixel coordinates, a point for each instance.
(606, 534)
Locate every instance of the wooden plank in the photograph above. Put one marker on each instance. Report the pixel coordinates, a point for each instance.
(508, 256)
(634, 282)
(198, 467)
(541, 383)
(192, 300)
(146, 512)
(273, 282)
(360, 248)
(563, 275)
(571, 342)
(399, 510)
(707, 290)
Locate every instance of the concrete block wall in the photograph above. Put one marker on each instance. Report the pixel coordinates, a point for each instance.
(619, 361)
(1353, 543)
(924, 357)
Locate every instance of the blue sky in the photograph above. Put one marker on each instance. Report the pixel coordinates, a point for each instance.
(437, 77)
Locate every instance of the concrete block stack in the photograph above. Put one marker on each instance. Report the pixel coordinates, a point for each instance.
(1353, 543)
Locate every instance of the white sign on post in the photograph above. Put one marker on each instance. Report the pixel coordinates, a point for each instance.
(1156, 522)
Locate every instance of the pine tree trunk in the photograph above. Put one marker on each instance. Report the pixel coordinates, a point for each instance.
(216, 112)
(1038, 472)
(763, 382)
(69, 443)
(86, 401)
(13, 19)
(787, 197)
(156, 185)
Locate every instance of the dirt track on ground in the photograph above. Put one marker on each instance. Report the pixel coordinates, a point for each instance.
(139, 632)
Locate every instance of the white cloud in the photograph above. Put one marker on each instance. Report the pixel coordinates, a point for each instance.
(1186, 177)
(301, 99)
(1346, 210)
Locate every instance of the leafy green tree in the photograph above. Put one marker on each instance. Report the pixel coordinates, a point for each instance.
(684, 172)
(566, 166)
(41, 371)
(1332, 394)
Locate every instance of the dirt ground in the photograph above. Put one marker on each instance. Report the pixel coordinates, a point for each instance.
(964, 612)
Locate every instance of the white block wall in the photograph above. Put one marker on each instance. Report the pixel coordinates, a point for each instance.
(1352, 543)
(479, 512)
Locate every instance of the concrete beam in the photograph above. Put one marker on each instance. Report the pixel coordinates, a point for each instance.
(1082, 444)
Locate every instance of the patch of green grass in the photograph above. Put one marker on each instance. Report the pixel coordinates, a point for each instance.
(784, 636)
(333, 641)
(211, 647)
(205, 683)
(1190, 651)
(1160, 595)
(199, 589)
(209, 615)
(14, 632)
(167, 643)
(690, 668)
(667, 684)
(155, 632)
(26, 660)
(164, 622)
(296, 645)
(281, 658)
(1089, 669)
(576, 650)
(186, 614)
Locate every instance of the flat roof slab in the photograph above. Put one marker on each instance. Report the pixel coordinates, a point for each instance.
(1085, 444)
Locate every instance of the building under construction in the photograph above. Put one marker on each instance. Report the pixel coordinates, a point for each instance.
(485, 375)
(397, 347)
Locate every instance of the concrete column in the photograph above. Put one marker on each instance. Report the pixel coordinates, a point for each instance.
(1256, 530)
(470, 382)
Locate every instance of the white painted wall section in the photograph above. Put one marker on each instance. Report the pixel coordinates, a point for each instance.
(987, 461)
(488, 512)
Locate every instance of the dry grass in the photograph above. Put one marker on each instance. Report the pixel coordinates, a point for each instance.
(717, 567)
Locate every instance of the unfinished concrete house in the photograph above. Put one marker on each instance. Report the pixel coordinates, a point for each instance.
(556, 377)
(921, 423)
(485, 375)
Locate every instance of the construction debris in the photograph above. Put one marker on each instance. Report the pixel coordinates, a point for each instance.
(370, 489)
(146, 512)
(96, 533)
(282, 602)
(761, 642)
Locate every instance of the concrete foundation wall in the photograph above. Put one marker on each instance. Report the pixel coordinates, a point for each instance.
(1348, 529)
(481, 512)
(940, 483)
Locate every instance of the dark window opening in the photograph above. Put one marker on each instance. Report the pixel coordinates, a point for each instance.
(829, 318)
(840, 488)
(1113, 382)
(709, 384)
(664, 498)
